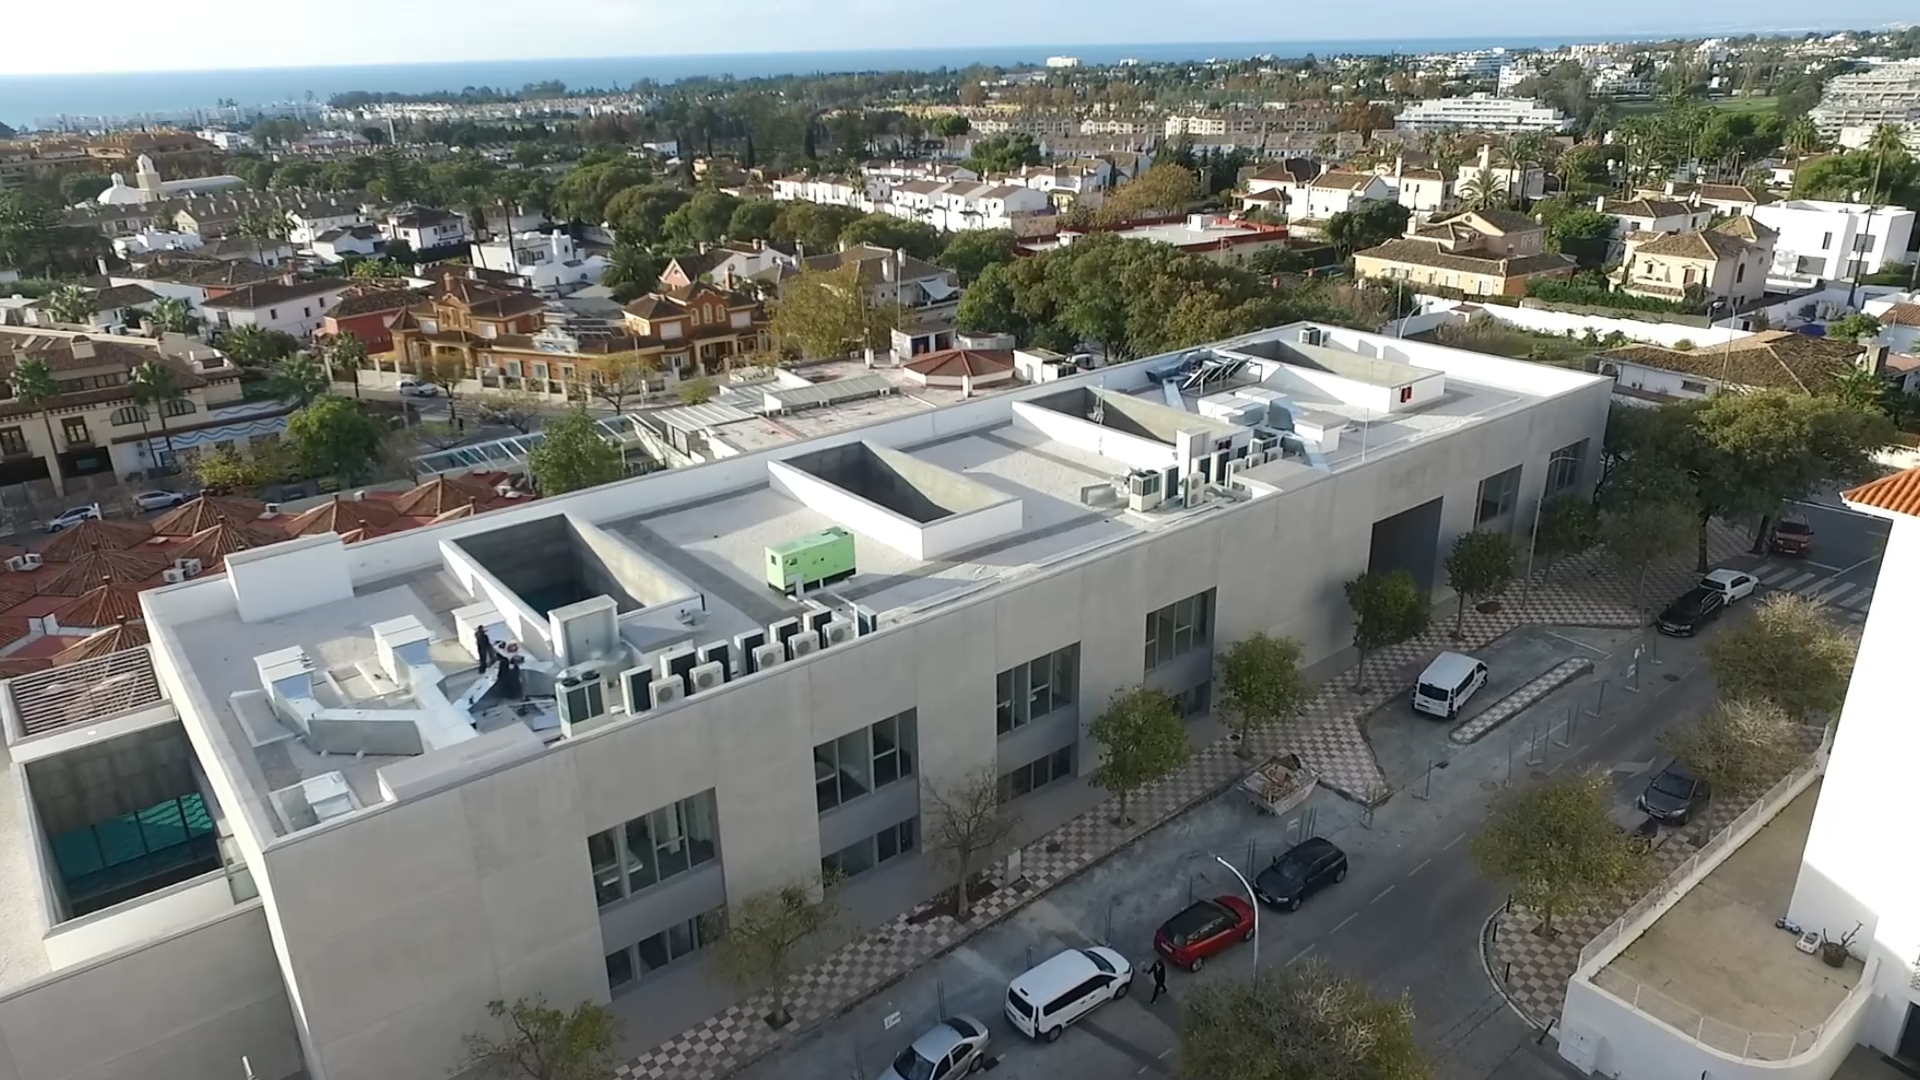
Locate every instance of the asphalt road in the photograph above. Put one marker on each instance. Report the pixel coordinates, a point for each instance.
(1407, 920)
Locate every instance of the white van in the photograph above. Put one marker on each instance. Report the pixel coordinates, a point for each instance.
(1042, 1002)
(1447, 684)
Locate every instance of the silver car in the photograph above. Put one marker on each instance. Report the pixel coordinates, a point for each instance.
(953, 1047)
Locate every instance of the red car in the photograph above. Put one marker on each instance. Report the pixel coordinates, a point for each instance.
(1205, 928)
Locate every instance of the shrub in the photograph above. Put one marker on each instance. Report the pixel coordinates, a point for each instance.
(1684, 345)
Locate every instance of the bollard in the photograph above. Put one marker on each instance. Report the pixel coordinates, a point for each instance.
(1030, 946)
(1507, 975)
(1599, 701)
(1533, 738)
(1426, 783)
(940, 989)
(1508, 782)
(1106, 937)
(1253, 853)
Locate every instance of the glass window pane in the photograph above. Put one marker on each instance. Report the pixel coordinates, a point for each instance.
(603, 852)
(826, 776)
(886, 768)
(653, 953)
(702, 838)
(1003, 702)
(1066, 675)
(856, 764)
(670, 842)
(907, 830)
(641, 869)
(1203, 618)
(1039, 688)
(679, 939)
(888, 843)
(619, 968)
(857, 858)
(909, 740)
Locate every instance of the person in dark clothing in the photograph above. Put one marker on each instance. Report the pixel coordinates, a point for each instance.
(1157, 969)
(509, 685)
(483, 645)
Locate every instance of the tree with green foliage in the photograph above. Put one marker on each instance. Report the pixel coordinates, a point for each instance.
(1262, 684)
(584, 193)
(1387, 610)
(1789, 653)
(345, 355)
(573, 454)
(1003, 153)
(1583, 234)
(1300, 1022)
(1480, 565)
(336, 437)
(1641, 534)
(812, 227)
(826, 313)
(1739, 746)
(703, 219)
(28, 225)
(254, 346)
(301, 378)
(951, 125)
(1556, 849)
(969, 253)
(1142, 740)
(174, 315)
(155, 388)
(631, 272)
(638, 215)
(1569, 524)
(764, 932)
(695, 391)
(1853, 327)
(990, 306)
(1164, 189)
(917, 238)
(262, 227)
(36, 389)
(753, 219)
(70, 305)
(1862, 390)
(537, 1042)
(1373, 222)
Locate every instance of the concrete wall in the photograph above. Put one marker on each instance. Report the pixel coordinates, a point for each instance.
(139, 920)
(1131, 450)
(1437, 310)
(183, 1008)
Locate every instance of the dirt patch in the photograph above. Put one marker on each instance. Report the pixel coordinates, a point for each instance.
(979, 887)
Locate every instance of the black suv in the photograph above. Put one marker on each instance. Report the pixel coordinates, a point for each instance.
(1305, 868)
(1673, 795)
(1696, 607)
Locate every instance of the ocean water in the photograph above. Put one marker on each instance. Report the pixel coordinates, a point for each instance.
(28, 99)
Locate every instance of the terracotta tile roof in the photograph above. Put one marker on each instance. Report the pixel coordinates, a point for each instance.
(444, 493)
(1504, 221)
(1348, 181)
(464, 510)
(11, 598)
(69, 544)
(1905, 313)
(97, 568)
(12, 629)
(1746, 229)
(1706, 244)
(212, 546)
(128, 635)
(205, 512)
(22, 665)
(956, 363)
(341, 516)
(484, 299)
(268, 294)
(107, 605)
(1771, 359)
(1425, 253)
(370, 301)
(1647, 208)
(1899, 493)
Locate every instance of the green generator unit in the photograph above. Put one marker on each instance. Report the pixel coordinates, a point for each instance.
(811, 561)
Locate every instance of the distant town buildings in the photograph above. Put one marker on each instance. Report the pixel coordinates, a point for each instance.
(1853, 105)
(1482, 112)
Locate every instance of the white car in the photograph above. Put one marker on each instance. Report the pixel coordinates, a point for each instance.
(158, 500)
(74, 516)
(414, 388)
(1730, 584)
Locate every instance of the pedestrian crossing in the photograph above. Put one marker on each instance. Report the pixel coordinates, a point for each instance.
(1815, 584)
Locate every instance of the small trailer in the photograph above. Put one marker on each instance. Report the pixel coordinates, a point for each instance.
(1279, 784)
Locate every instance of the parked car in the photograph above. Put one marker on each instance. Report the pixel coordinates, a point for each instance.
(1791, 536)
(1299, 872)
(1673, 795)
(415, 388)
(1205, 928)
(1731, 584)
(1696, 607)
(68, 518)
(1045, 999)
(953, 1047)
(158, 500)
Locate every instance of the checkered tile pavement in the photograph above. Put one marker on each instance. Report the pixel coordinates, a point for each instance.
(1507, 707)
(1328, 736)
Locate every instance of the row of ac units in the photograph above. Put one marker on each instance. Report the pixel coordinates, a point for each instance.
(29, 561)
(683, 671)
(181, 570)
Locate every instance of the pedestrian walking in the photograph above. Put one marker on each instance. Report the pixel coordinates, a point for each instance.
(1158, 969)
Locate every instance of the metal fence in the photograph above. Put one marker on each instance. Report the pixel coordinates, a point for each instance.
(1705, 1030)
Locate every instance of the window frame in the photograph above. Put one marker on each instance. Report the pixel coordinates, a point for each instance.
(1018, 691)
(1180, 628)
(664, 832)
(895, 760)
(1506, 497)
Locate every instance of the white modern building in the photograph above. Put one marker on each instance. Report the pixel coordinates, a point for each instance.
(551, 264)
(296, 309)
(424, 228)
(1853, 105)
(1482, 112)
(1696, 980)
(1831, 241)
(387, 840)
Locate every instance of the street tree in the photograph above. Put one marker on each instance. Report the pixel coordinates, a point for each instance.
(346, 354)
(1164, 189)
(695, 391)
(572, 455)
(231, 471)
(517, 409)
(1262, 684)
(1639, 536)
(1569, 525)
(1302, 1022)
(764, 933)
(1788, 653)
(1555, 847)
(174, 316)
(1480, 565)
(255, 346)
(826, 313)
(1141, 740)
(1739, 745)
(155, 389)
(446, 372)
(967, 821)
(969, 253)
(70, 305)
(300, 378)
(36, 389)
(618, 378)
(538, 1042)
(1387, 610)
(335, 436)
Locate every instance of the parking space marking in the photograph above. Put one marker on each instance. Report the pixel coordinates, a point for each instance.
(1296, 956)
(1454, 841)
(1382, 896)
(1342, 922)
(1422, 866)
(1595, 649)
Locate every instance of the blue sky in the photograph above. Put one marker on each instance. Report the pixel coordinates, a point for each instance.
(275, 33)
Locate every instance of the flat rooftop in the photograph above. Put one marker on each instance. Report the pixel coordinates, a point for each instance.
(1180, 233)
(1716, 954)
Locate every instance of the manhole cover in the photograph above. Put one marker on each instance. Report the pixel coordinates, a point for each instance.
(1671, 678)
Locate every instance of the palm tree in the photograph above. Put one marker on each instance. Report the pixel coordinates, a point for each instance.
(1802, 137)
(37, 389)
(174, 315)
(69, 304)
(349, 354)
(153, 385)
(1481, 191)
(261, 226)
(1860, 389)
(1886, 144)
(1524, 153)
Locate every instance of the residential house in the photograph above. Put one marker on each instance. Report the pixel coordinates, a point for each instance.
(1275, 187)
(899, 172)
(1832, 241)
(262, 250)
(305, 224)
(1082, 183)
(98, 433)
(187, 276)
(756, 263)
(860, 194)
(1517, 181)
(1899, 317)
(350, 241)
(116, 309)
(298, 308)
(1647, 214)
(1726, 262)
(699, 327)
(1217, 238)
(1426, 193)
(425, 228)
(1477, 253)
(365, 311)
(923, 292)
(1335, 192)
(154, 241)
(551, 264)
(1733, 200)
(1767, 360)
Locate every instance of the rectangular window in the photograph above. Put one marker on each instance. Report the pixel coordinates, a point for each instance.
(862, 761)
(1028, 691)
(629, 858)
(1498, 494)
(12, 441)
(1179, 628)
(1038, 773)
(677, 942)
(1826, 241)
(1565, 466)
(1692, 387)
(1194, 701)
(1863, 242)
(75, 429)
(863, 855)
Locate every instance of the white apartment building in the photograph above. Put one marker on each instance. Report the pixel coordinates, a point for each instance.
(1479, 64)
(1482, 112)
(424, 228)
(968, 204)
(1853, 105)
(1334, 192)
(387, 840)
(551, 264)
(833, 190)
(305, 224)
(296, 309)
(1828, 844)
(1251, 123)
(1831, 241)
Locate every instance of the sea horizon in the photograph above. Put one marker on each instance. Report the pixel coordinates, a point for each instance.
(34, 100)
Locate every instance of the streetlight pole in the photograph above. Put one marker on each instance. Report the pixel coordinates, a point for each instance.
(1533, 536)
(1253, 904)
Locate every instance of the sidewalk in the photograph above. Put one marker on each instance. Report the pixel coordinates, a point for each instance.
(1328, 737)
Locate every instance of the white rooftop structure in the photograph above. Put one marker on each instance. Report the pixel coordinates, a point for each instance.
(1482, 112)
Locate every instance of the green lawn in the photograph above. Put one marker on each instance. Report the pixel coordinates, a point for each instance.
(1643, 106)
